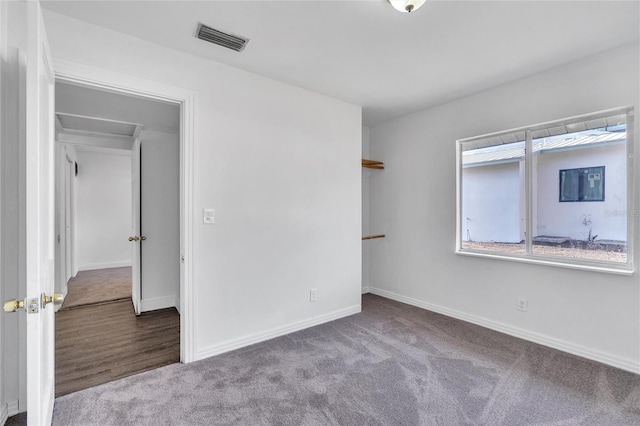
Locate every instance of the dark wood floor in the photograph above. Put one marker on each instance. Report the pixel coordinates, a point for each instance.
(98, 286)
(99, 343)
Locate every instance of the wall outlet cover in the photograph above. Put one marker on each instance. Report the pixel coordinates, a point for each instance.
(522, 304)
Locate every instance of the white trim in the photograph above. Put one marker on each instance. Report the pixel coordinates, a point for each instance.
(94, 140)
(107, 80)
(104, 265)
(100, 150)
(4, 414)
(105, 120)
(4, 104)
(458, 195)
(157, 303)
(366, 289)
(553, 123)
(48, 402)
(13, 408)
(188, 169)
(622, 270)
(627, 364)
(251, 339)
(528, 192)
(631, 183)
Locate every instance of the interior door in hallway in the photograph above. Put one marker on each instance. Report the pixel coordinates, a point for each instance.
(160, 220)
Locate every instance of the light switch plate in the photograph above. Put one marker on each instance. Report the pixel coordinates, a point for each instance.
(207, 216)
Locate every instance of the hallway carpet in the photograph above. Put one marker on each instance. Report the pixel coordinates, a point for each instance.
(98, 286)
(392, 364)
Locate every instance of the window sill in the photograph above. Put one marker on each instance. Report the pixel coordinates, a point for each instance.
(622, 269)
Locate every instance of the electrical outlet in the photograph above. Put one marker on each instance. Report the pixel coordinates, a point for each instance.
(522, 304)
(313, 295)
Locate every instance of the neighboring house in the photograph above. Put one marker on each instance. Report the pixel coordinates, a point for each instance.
(493, 207)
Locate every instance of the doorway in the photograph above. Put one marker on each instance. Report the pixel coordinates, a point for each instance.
(95, 132)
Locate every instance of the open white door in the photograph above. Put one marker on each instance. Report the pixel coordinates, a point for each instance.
(135, 239)
(39, 221)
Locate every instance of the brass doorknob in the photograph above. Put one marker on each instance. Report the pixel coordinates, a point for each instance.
(55, 298)
(13, 305)
(136, 238)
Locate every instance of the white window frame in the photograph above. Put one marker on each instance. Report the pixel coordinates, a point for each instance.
(529, 256)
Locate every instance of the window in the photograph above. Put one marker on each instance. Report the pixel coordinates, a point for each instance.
(534, 194)
(582, 184)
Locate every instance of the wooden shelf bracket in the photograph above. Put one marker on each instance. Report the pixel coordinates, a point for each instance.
(372, 164)
(373, 237)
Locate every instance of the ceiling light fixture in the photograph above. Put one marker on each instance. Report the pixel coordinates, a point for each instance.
(406, 6)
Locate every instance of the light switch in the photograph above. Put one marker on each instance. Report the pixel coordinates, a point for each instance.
(207, 216)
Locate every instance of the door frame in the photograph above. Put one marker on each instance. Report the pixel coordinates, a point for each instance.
(73, 73)
(136, 205)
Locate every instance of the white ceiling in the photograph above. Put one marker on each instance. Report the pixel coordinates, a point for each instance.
(366, 53)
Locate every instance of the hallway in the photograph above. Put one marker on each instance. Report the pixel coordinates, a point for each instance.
(100, 340)
(98, 286)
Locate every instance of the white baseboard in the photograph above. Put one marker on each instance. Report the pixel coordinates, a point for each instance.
(4, 414)
(233, 344)
(157, 303)
(365, 289)
(104, 265)
(572, 348)
(13, 408)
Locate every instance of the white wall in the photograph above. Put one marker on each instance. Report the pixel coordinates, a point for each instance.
(160, 205)
(414, 201)
(365, 211)
(280, 166)
(103, 209)
(491, 201)
(13, 231)
(609, 217)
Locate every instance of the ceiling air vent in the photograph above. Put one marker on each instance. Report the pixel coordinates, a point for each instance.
(230, 41)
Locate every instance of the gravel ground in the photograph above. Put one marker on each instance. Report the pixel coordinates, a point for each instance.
(576, 253)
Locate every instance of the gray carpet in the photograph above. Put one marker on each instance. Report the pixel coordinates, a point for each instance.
(393, 364)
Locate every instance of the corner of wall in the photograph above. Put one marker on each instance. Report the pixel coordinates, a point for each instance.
(252, 339)
(613, 360)
(13, 408)
(365, 212)
(3, 414)
(569, 318)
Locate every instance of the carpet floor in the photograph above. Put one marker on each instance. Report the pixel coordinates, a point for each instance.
(98, 286)
(392, 364)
